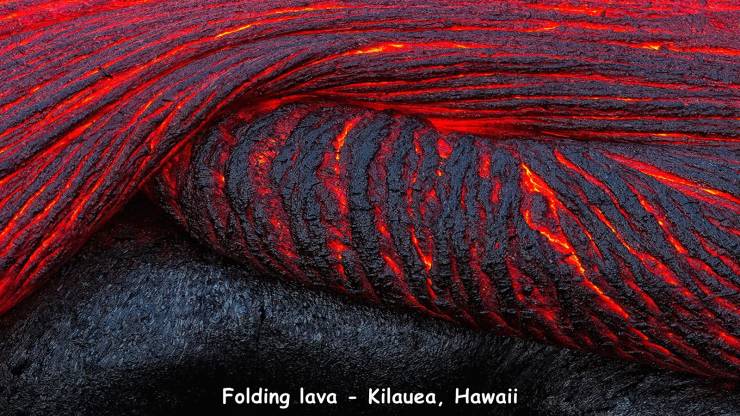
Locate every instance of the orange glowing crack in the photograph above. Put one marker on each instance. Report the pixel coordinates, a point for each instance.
(426, 259)
(398, 46)
(532, 183)
(318, 7)
(675, 181)
(443, 148)
(650, 262)
(340, 139)
(484, 166)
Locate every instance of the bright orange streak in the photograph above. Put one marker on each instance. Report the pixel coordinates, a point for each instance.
(662, 222)
(396, 46)
(484, 167)
(426, 259)
(278, 12)
(443, 148)
(568, 9)
(671, 179)
(729, 340)
(651, 263)
(340, 139)
(592, 179)
(534, 184)
(380, 48)
(393, 265)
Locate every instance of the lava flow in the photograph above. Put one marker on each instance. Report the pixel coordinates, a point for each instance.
(559, 172)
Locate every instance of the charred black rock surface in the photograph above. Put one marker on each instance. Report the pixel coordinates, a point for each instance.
(144, 321)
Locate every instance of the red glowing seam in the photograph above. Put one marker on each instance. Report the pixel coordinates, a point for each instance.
(485, 288)
(507, 93)
(650, 262)
(733, 265)
(592, 179)
(472, 122)
(532, 183)
(131, 71)
(81, 202)
(443, 148)
(79, 130)
(539, 25)
(260, 160)
(672, 47)
(553, 76)
(455, 269)
(729, 229)
(654, 136)
(65, 61)
(541, 305)
(416, 57)
(80, 205)
(562, 101)
(434, 109)
(6, 239)
(484, 280)
(387, 47)
(629, 279)
(704, 193)
(697, 264)
(426, 259)
(484, 165)
(321, 7)
(340, 230)
(341, 138)
(387, 247)
(501, 55)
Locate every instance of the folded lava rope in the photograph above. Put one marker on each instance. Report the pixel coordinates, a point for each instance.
(567, 173)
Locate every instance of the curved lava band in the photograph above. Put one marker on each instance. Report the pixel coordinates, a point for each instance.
(559, 172)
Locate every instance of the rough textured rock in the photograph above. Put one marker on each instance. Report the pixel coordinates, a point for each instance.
(617, 248)
(98, 94)
(144, 321)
